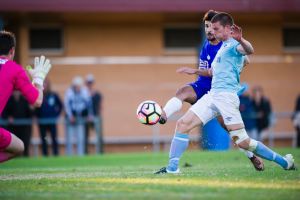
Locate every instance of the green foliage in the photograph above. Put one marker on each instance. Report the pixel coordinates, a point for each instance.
(213, 175)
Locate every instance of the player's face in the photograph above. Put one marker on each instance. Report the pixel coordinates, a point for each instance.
(221, 32)
(208, 31)
(218, 30)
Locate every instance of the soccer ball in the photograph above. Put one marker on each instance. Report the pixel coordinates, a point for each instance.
(148, 112)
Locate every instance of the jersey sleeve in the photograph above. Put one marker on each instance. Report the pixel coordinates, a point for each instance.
(24, 85)
(235, 51)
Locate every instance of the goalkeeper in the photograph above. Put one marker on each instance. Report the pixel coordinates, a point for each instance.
(14, 77)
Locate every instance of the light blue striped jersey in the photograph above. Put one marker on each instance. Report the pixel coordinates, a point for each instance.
(227, 67)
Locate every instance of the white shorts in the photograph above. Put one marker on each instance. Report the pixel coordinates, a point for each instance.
(225, 104)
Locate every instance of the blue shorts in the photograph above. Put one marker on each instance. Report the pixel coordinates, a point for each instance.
(199, 89)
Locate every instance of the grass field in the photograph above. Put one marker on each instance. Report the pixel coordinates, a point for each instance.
(213, 175)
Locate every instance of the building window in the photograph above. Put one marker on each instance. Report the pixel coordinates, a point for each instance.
(46, 39)
(182, 37)
(291, 39)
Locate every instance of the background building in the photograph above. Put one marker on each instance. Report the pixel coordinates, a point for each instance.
(134, 47)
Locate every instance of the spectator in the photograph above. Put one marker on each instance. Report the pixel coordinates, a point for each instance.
(296, 120)
(78, 108)
(96, 107)
(248, 113)
(48, 114)
(17, 108)
(263, 110)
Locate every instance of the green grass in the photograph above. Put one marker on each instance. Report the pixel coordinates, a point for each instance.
(213, 175)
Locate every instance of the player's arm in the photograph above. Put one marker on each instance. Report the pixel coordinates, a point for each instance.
(245, 47)
(40, 97)
(38, 75)
(191, 71)
(246, 61)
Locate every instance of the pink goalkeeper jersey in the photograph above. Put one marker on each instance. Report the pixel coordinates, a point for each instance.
(13, 77)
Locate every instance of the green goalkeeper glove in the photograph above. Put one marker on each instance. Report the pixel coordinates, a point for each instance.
(40, 71)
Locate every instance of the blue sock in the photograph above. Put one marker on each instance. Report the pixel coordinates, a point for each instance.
(179, 144)
(266, 153)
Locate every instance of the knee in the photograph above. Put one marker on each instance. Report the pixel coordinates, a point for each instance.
(16, 147)
(240, 138)
(182, 126)
(244, 144)
(186, 94)
(20, 148)
(180, 94)
(248, 144)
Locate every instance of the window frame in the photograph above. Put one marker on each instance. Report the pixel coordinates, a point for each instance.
(290, 49)
(58, 51)
(181, 50)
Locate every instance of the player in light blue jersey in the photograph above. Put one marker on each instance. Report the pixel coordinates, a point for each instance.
(222, 99)
(192, 92)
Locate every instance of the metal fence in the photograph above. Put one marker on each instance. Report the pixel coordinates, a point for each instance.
(157, 139)
(35, 142)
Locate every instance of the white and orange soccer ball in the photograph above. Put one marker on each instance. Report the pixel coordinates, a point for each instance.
(149, 112)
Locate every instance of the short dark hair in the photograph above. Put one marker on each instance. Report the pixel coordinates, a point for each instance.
(223, 18)
(209, 15)
(7, 42)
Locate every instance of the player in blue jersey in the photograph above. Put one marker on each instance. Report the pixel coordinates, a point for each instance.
(222, 99)
(194, 91)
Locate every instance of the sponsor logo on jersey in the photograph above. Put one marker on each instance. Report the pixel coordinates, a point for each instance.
(203, 64)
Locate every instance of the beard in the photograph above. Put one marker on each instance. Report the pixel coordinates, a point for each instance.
(211, 38)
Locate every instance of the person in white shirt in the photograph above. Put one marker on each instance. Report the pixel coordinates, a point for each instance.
(78, 108)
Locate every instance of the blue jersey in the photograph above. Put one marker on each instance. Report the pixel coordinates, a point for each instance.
(227, 67)
(206, 56)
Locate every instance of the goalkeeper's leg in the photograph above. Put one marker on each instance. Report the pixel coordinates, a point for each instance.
(10, 145)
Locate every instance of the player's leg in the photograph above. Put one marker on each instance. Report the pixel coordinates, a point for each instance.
(286, 162)
(255, 160)
(180, 140)
(184, 94)
(227, 104)
(10, 145)
(196, 115)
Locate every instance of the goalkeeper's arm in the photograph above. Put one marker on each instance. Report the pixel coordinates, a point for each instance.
(40, 97)
(38, 74)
